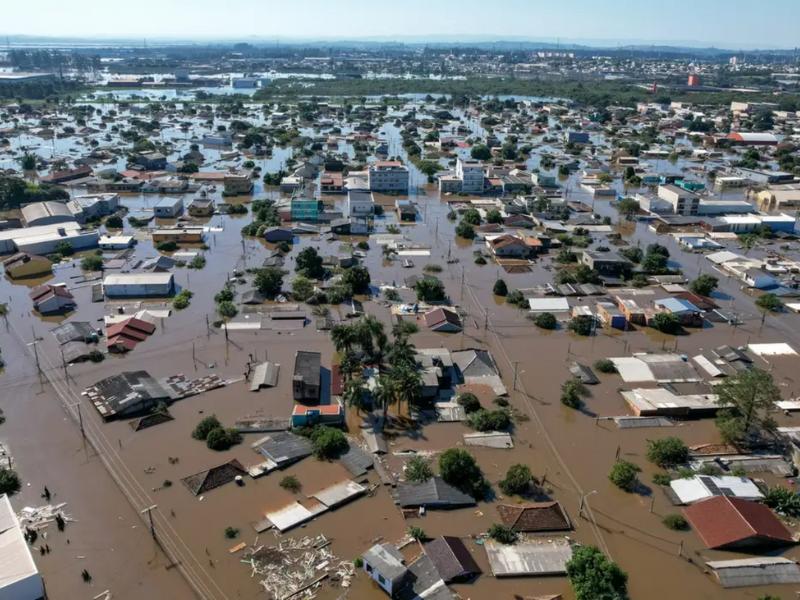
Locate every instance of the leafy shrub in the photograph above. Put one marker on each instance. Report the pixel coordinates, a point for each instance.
(489, 420)
(604, 365)
(667, 452)
(470, 402)
(328, 442)
(675, 522)
(291, 484)
(545, 320)
(205, 426)
(458, 468)
(503, 534)
(418, 469)
(517, 480)
(624, 475)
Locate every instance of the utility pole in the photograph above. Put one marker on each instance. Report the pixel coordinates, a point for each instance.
(149, 510)
(516, 365)
(35, 350)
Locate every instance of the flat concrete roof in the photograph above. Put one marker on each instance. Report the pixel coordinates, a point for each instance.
(545, 557)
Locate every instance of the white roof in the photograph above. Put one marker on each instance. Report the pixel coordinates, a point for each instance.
(138, 279)
(722, 257)
(777, 349)
(16, 562)
(559, 304)
(700, 487)
(38, 231)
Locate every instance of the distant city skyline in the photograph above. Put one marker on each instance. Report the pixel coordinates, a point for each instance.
(730, 24)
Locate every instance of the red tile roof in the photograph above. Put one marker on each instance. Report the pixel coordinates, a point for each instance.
(537, 516)
(723, 521)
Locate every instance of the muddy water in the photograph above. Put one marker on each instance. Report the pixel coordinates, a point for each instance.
(570, 450)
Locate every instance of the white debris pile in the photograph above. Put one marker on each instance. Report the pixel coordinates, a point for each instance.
(39, 517)
(297, 568)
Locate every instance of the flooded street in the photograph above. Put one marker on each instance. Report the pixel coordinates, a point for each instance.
(108, 480)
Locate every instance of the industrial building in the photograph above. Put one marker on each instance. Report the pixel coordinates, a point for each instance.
(19, 577)
(138, 285)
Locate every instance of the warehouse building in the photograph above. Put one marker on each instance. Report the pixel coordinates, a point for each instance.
(19, 577)
(138, 285)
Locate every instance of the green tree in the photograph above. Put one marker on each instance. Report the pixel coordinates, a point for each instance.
(9, 482)
(783, 501)
(227, 309)
(93, 262)
(582, 324)
(353, 394)
(418, 469)
(747, 401)
(480, 152)
(704, 285)
(665, 323)
(545, 320)
(458, 468)
(517, 480)
(465, 230)
(471, 216)
(269, 281)
(220, 439)
(605, 365)
(494, 216)
(302, 288)
(309, 263)
(502, 534)
(572, 392)
(205, 426)
(430, 289)
(114, 222)
(628, 206)
(594, 577)
(500, 288)
(470, 402)
(769, 303)
(357, 279)
(328, 442)
(489, 420)
(624, 475)
(667, 452)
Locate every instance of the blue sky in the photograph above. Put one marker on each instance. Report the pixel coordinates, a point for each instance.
(725, 23)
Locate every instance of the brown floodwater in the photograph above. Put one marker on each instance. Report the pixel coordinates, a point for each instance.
(571, 450)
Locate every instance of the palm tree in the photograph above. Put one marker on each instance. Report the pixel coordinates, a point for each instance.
(385, 393)
(343, 337)
(401, 352)
(372, 338)
(407, 381)
(349, 365)
(353, 394)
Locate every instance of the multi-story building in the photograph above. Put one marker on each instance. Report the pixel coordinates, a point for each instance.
(470, 173)
(305, 209)
(388, 176)
(359, 203)
(683, 202)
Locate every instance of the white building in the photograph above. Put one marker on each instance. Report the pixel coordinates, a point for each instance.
(116, 242)
(46, 213)
(359, 203)
(385, 565)
(470, 173)
(168, 208)
(44, 239)
(388, 176)
(19, 577)
(683, 202)
(138, 285)
(700, 487)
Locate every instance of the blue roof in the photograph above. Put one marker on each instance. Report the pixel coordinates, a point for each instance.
(677, 305)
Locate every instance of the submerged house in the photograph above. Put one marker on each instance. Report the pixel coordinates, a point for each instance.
(307, 375)
(51, 299)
